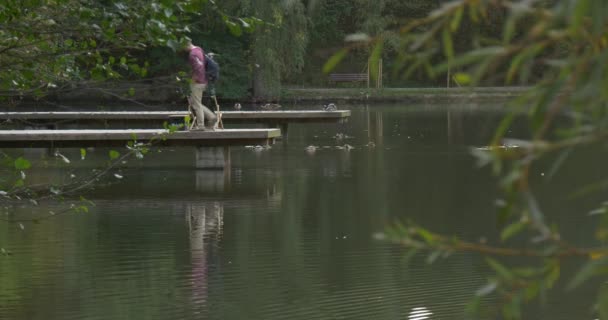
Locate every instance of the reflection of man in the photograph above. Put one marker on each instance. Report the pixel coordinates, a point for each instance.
(196, 57)
(203, 221)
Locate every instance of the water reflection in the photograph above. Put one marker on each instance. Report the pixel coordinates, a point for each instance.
(419, 313)
(205, 226)
(212, 180)
(375, 126)
(282, 234)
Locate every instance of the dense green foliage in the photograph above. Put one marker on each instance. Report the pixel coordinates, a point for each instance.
(48, 44)
(262, 45)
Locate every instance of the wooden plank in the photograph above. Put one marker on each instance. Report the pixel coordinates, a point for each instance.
(125, 117)
(287, 115)
(82, 138)
(95, 115)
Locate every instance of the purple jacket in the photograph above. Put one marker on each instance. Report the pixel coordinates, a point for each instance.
(197, 62)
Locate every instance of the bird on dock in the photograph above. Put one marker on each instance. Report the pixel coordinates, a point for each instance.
(330, 107)
(237, 106)
(271, 106)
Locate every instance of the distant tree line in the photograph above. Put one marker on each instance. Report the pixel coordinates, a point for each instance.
(262, 45)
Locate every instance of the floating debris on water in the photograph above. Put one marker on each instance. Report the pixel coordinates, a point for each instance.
(311, 149)
(503, 147)
(258, 148)
(346, 147)
(342, 136)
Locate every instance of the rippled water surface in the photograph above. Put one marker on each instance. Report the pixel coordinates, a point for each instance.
(285, 233)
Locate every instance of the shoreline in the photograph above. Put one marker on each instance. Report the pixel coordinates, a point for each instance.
(395, 95)
(142, 95)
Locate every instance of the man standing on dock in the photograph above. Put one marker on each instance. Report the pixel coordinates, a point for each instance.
(196, 57)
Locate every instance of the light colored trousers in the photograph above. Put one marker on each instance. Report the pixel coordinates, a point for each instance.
(201, 112)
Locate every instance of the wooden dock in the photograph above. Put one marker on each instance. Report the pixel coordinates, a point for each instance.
(117, 138)
(286, 116)
(156, 118)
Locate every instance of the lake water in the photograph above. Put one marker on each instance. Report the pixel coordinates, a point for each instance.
(287, 233)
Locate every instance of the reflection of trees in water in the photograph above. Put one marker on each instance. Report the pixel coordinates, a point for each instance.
(375, 126)
(205, 226)
(455, 124)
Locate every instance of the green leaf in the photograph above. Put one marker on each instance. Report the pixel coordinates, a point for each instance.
(234, 28)
(522, 57)
(83, 153)
(114, 154)
(448, 45)
(131, 92)
(456, 19)
(334, 60)
(553, 275)
(462, 79)
(504, 125)
(22, 164)
(500, 270)
(559, 162)
(486, 289)
(536, 215)
(426, 235)
(433, 257)
(512, 230)
(471, 57)
(589, 270)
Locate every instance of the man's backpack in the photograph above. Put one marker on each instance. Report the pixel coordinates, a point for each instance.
(212, 69)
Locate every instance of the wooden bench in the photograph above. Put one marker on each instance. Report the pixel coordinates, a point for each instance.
(348, 77)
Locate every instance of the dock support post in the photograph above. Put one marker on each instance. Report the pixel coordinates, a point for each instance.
(217, 158)
(213, 164)
(283, 127)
